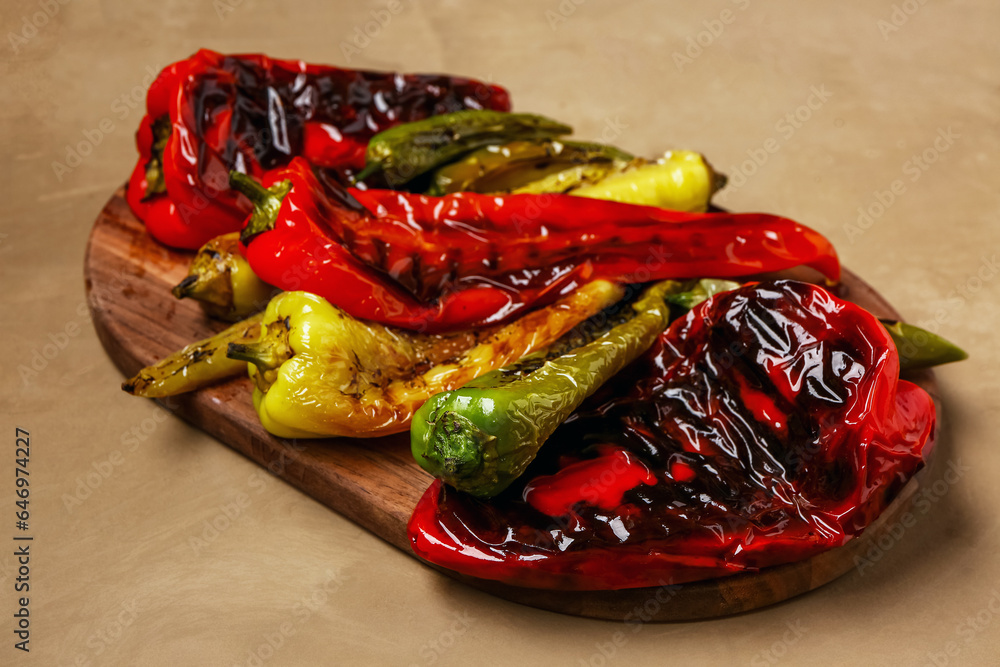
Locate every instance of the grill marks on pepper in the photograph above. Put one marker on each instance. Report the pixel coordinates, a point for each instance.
(261, 98)
(709, 390)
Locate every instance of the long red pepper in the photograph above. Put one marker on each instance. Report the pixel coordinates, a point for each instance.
(253, 114)
(766, 426)
(465, 259)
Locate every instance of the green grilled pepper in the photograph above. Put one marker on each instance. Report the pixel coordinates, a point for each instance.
(502, 168)
(197, 365)
(919, 348)
(481, 437)
(406, 151)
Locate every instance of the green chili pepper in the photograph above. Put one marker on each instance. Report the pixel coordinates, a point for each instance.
(481, 437)
(502, 168)
(406, 151)
(919, 348)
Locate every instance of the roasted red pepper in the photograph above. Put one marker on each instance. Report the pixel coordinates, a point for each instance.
(466, 259)
(767, 425)
(253, 114)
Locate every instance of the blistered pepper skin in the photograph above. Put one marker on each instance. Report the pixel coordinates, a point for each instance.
(466, 259)
(318, 372)
(254, 114)
(480, 438)
(766, 426)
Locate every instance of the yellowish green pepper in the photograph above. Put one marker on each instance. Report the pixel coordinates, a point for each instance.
(319, 372)
(196, 365)
(221, 279)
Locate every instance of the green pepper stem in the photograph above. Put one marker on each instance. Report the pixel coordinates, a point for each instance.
(259, 354)
(249, 187)
(370, 168)
(266, 203)
(459, 448)
(186, 287)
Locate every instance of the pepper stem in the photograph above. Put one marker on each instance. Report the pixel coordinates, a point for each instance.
(459, 449)
(186, 287)
(268, 352)
(370, 168)
(266, 203)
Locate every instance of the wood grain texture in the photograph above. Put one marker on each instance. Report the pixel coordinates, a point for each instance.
(376, 483)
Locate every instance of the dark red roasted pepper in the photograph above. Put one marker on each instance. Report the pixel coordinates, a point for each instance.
(767, 425)
(253, 114)
(466, 259)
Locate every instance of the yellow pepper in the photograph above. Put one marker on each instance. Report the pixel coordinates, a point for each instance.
(681, 181)
(319, 372)
(222, 280)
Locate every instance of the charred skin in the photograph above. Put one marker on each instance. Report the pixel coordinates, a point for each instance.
(319, 372)
(195, 366)
(221, 280)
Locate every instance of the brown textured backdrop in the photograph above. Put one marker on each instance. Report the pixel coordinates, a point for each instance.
(816, 110)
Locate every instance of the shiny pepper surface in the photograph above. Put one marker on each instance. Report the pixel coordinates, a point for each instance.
(766, 426)
(464, 260)
(253, 114)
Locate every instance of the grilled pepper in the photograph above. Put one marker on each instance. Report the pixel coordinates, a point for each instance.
(196, 365)
(221, 279)
(917, 348)
(406, 151)
(765, 426)
(481, 437)
(318, 372)
(213, 113)
(464, 260)
(681, 180)
(505, 167)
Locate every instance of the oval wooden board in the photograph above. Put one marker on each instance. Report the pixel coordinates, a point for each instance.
(376, 483)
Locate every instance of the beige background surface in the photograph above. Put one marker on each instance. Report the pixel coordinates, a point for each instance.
(116, 579)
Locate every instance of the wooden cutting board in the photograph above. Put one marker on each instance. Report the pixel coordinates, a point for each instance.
(376, 483)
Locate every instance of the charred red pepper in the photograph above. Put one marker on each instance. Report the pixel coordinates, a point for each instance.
(765, 426)
(466, 259)
(213, 113)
